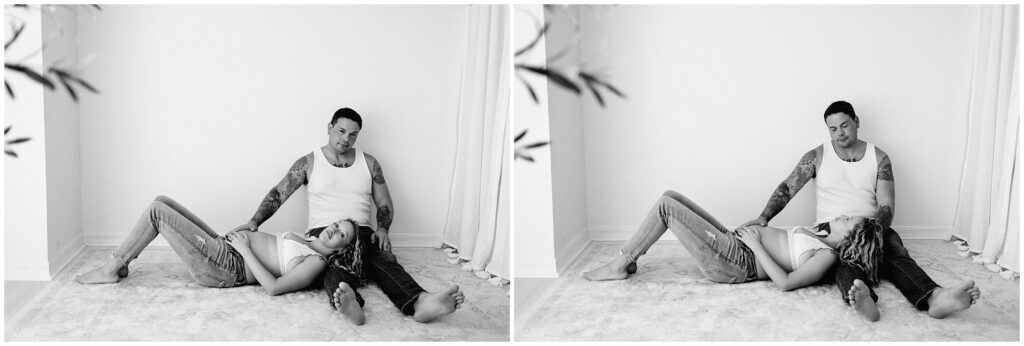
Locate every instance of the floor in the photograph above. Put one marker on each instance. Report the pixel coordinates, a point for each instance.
(159, 301)
(669, 300)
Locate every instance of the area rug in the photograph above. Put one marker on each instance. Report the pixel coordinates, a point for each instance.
(159, 301)
(669, 300)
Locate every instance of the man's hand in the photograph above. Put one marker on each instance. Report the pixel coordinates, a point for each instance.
(249, 227)
(380, 237)
(759, 221)
(750, 236)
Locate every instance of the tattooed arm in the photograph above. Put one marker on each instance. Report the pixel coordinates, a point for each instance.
(804, 171)
(382, 199)
(297, 176)
(885, 190)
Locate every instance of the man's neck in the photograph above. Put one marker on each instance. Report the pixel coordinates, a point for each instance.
(852, 153)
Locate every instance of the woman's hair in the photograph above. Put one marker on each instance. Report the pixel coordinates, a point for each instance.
(350, 256)
(862, 248)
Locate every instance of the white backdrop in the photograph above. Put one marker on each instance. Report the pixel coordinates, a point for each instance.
(211, 105)
(724, 100)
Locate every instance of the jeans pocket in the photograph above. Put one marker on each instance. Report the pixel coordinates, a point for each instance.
(210, 280)
(722, 277)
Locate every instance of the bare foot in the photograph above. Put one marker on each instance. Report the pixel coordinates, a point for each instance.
(860, 299)
(617, 269)
(344, 300)
(430, 306)
(105, 274)
(945, 301)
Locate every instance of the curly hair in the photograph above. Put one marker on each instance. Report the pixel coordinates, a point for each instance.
(862, 248)
(349, 257)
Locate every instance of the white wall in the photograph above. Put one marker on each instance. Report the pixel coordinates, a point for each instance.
(63, 178)
(534, 221)
(723, 101)
(568, 173)
(211, 105)
(25, 218)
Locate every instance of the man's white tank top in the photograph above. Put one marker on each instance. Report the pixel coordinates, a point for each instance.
(846, 188)
(338, 193)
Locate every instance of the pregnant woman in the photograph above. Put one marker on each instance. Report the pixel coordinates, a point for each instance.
(281, 263)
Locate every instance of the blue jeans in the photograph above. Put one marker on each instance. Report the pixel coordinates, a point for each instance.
(208, 257)
(897, 267)
(381, 267)
(721, 256)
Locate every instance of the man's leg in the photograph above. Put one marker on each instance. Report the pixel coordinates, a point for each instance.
(917, 286)
(851, 281)
(383, 268)
(340, 287)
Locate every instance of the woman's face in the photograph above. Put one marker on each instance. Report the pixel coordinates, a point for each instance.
(842, 225)
(338, 234)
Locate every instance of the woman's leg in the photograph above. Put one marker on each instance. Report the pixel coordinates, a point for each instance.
(719, 253)
(208, 257)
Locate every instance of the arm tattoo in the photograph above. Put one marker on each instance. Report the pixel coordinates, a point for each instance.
(378, 175)
(885, 169)
(277, 195)
(384, 217)
(804, 171)
(884, 216)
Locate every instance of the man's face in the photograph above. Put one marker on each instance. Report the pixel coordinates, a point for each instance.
(842, 129)
(343, 134)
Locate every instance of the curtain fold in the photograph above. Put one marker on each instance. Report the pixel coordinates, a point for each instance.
(477, 224)
(987, 215)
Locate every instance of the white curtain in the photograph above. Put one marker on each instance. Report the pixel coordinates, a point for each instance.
(477, 225)
(987, 212)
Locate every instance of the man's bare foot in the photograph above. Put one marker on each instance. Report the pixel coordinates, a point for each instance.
(344, 300)
(860, 299)
(617, 269)
(430, 306)
(105, 274)
(945, 301)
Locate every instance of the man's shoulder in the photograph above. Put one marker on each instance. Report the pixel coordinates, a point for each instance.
(370, 159)
(881, 156)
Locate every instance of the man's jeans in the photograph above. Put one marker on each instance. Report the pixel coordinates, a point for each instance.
(208, 257)
(897, 267)
(381, 267)
(721, 256)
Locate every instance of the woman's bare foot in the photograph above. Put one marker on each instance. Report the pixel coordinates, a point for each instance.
(945, 301)
(860, 299)
(346, 303)
(430, 306)
(617, 269)
(108, 273)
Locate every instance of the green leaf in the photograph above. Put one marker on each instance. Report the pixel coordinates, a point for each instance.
(71, 92)
(9, 91)
(8, 129)
(536, 145)
(540, 34)
(10, 152)
(19, 140)
(518, 137)
(17, 32)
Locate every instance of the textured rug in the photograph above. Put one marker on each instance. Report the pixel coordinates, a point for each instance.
(669, 300)
(159, 301)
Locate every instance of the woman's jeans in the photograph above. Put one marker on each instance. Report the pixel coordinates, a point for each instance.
(208, 257)
(381, 267)
(897, 267)
(721, 256)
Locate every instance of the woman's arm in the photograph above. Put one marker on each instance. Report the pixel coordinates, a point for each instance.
(297, 279)
(809, 273)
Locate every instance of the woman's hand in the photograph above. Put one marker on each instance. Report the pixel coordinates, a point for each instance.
(238, 240)
(750, 236)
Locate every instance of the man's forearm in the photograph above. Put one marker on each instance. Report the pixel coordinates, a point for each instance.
(384, 217)
(884, 216)
(780, 198)
(270, 204)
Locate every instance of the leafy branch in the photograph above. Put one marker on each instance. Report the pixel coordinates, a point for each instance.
(44, 76)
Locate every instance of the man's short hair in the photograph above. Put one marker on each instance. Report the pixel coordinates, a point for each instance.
(838, 107)
(347, 113)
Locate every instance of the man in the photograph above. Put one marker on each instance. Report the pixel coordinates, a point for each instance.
(341, 180)
(854, 178)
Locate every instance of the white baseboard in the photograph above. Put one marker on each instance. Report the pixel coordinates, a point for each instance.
(397, 240)
(23, 273)
(565, 257)
(623, 233)
(63, 257)
(534, 270)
